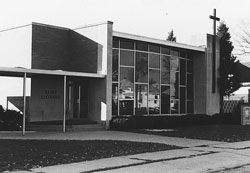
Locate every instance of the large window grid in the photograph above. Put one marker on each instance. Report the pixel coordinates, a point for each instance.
(188, 103)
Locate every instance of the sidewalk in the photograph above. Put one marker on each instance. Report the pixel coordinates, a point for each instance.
(198, 156)
(107, 135)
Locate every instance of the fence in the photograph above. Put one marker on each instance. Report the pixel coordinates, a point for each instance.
(229, 106)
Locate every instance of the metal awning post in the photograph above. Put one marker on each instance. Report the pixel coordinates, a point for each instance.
(64, 104)
(24, 103)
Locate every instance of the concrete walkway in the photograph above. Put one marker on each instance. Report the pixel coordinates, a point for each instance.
(197, 156)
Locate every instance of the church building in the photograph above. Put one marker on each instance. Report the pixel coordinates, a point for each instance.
(96, 73)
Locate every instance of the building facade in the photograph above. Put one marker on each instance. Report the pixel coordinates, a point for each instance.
(95, 73)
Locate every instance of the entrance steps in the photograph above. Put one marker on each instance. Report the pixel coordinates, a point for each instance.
(87, 127)
(44, 128)
(71, 125)
(59, 128)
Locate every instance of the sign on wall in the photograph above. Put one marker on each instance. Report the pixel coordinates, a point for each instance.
(50, 94)
(245, 114)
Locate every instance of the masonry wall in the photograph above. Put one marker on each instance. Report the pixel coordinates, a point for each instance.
(83, 53)
(50, 47)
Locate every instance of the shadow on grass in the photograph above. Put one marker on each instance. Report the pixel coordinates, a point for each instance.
(27, 154)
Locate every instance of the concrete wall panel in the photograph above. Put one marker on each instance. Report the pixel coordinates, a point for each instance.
(200, 83)
(15, 47)
(213, 99)
(46, 98)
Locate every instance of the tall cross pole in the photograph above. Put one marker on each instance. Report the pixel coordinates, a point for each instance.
(214, 18)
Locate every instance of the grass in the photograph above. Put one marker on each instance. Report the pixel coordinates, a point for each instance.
(27, 154)
(225, 133)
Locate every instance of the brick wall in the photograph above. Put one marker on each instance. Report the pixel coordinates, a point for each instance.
(49, 48)
(83, 53)
(62, 49)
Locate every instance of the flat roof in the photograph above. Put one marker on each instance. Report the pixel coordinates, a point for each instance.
(158, 41)
(19, 72)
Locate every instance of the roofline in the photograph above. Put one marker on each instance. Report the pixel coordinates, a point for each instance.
(15, 71)
(17, 27)
(93, 24)
(51, 26)
(158, 41)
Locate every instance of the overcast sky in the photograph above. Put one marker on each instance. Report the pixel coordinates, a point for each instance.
(153, 18)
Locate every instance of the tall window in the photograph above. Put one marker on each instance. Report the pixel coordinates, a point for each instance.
(151, 79)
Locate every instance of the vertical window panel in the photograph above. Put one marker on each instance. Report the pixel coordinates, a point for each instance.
(183, 54)
(127, 58)
(190, 55)
(126, 91)
(174, 85)
(190, 66)
(154, 60)
(141, 67)
(154, 92)
(114, 99)
(174, 106)
(115, 65)
(165, 69)
(182, 99)
(190, 107)
(115, 42)
(174, 65)
(141, 99)
(182, 72)
(189, 86)
(165, 99)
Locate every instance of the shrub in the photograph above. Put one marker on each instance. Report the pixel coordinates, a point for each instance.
(164, 122)
(10, 119)
(122, 123)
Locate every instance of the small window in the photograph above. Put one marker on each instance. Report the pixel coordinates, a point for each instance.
(154, 48)
(143, 46)
(127, 58)
(154, 60)
(126, 44)
(183, 54)
(174, 52)
(165, 50)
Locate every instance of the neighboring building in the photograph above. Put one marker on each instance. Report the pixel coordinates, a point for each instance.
(96, 73)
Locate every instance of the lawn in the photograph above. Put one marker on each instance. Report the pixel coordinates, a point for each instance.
(226, 133)
(27, 154)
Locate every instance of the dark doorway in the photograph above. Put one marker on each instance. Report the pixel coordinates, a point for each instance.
(77, 99)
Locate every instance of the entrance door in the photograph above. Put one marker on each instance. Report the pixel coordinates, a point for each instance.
(78, 99)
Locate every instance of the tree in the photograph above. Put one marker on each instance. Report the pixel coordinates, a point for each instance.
(171, 36)
(229, 77)
(243, 38)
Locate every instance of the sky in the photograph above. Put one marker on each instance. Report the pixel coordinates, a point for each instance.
(153, 18)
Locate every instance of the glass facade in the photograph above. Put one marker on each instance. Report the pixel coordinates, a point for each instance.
(151, 79)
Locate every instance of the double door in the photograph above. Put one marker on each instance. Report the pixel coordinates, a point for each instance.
(77, 99)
